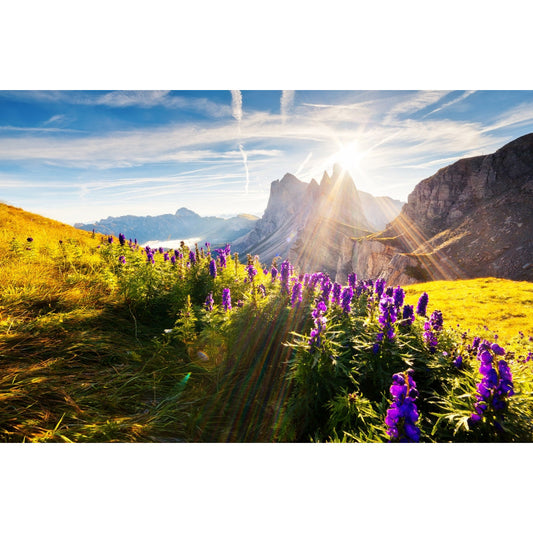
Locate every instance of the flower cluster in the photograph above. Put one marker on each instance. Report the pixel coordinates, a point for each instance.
(213, 268)
(495, 386)
(252, 272)
(422, 304)
(346, 299)
(431, 330)
(403, 414)
(226, 299)
(296, 296)
(387, 317)
(209, 302)
(286, 270)
(320, 323)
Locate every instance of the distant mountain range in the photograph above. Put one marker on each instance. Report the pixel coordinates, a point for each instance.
(184, 224)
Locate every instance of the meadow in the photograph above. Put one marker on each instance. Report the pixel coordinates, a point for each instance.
(102, 340)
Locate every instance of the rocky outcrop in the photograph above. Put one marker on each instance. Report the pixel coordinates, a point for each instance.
(470, 219)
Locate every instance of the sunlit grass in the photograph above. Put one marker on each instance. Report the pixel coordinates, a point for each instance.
(483, 306)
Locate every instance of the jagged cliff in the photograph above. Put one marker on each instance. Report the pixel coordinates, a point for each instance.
(470, 219)
(313, 224)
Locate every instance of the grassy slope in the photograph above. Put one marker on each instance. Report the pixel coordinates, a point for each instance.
(73, 363)
(505, 306)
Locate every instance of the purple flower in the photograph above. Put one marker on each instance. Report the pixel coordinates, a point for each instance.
(122, 260)
(274, 273)
(166, 257)
(262, 290)
(403, 414)
(336, 293)
(209, 302)
(173, 259)
(110, 239)
(326, 286)
(496, 385)
(30, 239)
(213, 268)
(430, 337)
(346, 299)
(296, 296)
(320, 323)
(192, 257)
(379, 287)
(226, 299)
(286, 271)
(352, 279)
(121, 239)
(161, 250)
(422, 304)
(408, 314)
(436, 320)
(252, 272)
(399, 296)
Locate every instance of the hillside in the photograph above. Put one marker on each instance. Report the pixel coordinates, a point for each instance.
(104, 341)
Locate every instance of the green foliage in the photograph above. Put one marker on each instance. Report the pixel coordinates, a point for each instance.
(100, 344)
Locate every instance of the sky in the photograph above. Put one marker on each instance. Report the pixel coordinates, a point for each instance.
(80, 156)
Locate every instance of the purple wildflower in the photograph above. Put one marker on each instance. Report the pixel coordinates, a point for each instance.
(166, 257)
(213, 268)
(110, 239)
(122, 260)
(30, 239)
(336, 293)
(346, 299)
(495, 386)
(121, 239)
(161, 250)
(252, 272)
(408, 314)
(320, 323)
(402, 415)
(274, 273)
(399, 296)
(422, 304)
(262, 290)
(209, 302)
(296, 296)
(352, 279)
(286, 271)
(436, 320)
(173, 259)
(379, 287)
(226, 299)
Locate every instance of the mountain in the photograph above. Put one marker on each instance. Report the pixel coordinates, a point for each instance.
(471, 219)
(311, 223)
(184, 224)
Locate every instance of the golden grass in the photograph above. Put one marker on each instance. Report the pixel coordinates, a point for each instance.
(504, 306)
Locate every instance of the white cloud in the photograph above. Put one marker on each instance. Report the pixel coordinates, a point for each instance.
(465, 95)
(286, 103)
(236, 105)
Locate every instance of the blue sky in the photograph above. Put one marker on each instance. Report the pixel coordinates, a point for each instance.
(79, 156)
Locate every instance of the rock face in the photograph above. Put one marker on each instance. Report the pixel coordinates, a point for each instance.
(470, 219)
(185, 224)
(313, 225)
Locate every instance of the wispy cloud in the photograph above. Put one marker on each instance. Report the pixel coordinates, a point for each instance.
(465, 95)
(236, 110)
(236, 105)
(419, 101)
(521, 114)
(286, 103)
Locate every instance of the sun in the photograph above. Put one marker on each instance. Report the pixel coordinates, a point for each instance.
(348, 157)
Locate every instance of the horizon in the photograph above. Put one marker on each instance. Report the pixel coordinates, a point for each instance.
(82, 156)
